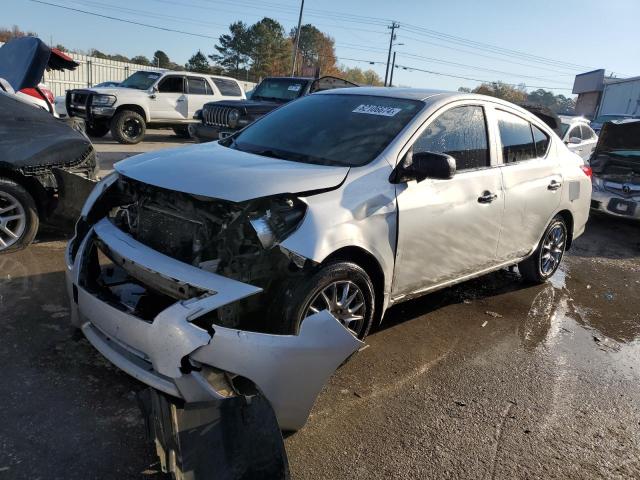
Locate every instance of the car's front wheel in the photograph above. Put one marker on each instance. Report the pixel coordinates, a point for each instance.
(544, 262)
(128, 127)
(97, 130)
(18, 217)
(182, 132)
(341, 287)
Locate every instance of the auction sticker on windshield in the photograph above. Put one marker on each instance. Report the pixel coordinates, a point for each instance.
(294, 88)
(377, 110)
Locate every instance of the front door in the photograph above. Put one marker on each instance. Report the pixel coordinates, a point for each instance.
(170, 102)
(532, 182)
(448, 229)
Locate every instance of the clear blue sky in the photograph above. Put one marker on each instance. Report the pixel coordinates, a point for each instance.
(587, 34)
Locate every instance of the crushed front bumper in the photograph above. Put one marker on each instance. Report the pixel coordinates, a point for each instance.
(289, 370)
(615, 205)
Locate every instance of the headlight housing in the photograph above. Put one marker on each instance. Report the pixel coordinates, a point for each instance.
(101, 100)
(233, 117)
(198, 115)
(278, 219)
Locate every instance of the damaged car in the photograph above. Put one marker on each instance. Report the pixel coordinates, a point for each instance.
(47, 166)
(616, 170)
(260, 262)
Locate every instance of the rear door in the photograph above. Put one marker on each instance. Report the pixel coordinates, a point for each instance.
(199, 92)
(170, 102)
(532, 179)
(448, 229)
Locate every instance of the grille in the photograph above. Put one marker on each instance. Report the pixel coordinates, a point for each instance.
(86, 161)
(216, 116)
(627, 190)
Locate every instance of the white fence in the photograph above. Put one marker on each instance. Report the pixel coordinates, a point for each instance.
(90, 72)
(94, 70)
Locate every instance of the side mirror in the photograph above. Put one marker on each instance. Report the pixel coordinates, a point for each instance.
(421, 165)
(575, 141)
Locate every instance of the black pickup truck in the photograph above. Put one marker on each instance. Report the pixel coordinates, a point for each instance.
(221, 119)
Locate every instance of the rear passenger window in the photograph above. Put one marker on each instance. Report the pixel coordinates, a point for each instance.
(541, 140)
(227, 87)
(198, 86)
(516, 137)
(171, 85)
(460, 132)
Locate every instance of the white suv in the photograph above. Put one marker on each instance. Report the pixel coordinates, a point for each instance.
(161, 99)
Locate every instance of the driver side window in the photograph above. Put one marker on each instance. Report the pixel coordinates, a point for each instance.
(171, 85)
(460, 132)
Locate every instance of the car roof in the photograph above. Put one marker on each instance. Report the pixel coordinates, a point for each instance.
(571, 119)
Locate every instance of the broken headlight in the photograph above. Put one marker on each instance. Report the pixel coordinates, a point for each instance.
(278, 219)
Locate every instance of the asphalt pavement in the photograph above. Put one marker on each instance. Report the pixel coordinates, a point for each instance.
(493, 378)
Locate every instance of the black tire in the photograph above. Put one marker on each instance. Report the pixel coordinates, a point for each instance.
(128, 127)
(13, 193)
(535, 269)
(299, 295)
(97, 130)
(181, 132)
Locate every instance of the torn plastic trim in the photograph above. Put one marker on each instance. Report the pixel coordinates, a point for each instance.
(290, 370)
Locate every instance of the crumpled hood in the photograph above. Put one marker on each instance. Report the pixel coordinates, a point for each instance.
(214, 171)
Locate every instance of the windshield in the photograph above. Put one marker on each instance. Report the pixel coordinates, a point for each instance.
(279, 89)
(340, 130)
(141, 80)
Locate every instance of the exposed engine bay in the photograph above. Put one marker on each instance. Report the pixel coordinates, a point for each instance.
(235, 240)
(618, 168)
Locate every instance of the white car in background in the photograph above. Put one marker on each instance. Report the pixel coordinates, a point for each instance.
(149, 98)
(578, 136)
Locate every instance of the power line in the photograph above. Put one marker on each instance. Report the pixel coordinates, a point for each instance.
(109, 17)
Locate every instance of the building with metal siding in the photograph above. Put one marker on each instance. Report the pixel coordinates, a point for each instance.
(599, 95)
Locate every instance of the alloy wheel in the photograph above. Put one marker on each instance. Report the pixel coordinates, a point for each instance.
(132, 128)
(552, 249)
(345, 301)
(13, 220)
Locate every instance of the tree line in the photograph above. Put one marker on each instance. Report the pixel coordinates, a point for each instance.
(252, 52)
(519, 94)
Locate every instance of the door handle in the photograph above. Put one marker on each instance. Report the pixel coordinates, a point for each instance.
(487, 197)
(554, 185)
(180, 100)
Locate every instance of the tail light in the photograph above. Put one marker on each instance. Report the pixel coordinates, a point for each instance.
(33, 92)
(587, 170)
(48, 93)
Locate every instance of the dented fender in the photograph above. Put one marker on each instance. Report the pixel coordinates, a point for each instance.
(290, 370)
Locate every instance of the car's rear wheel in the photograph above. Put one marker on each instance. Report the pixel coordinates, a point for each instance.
(18, 217)
(97, 130)
(128, 127)
(343, 288)
(544, 262)
(182, 132)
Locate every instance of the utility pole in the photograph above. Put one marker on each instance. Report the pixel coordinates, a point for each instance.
(393, 27)
(297, 42)
(393, 65)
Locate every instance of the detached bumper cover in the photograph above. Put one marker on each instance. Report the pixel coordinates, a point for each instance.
(616, 205)
(290, 370)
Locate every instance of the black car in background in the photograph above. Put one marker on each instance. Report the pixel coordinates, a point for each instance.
(47, 165)
(221, 119)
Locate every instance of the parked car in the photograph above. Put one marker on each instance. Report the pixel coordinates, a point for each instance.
(107, 85)
(261, 261)
(24, 60)
(578, 136)
(149, 98)
(221, 119)
(616, 170)
(45, 166)
(600, 120)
